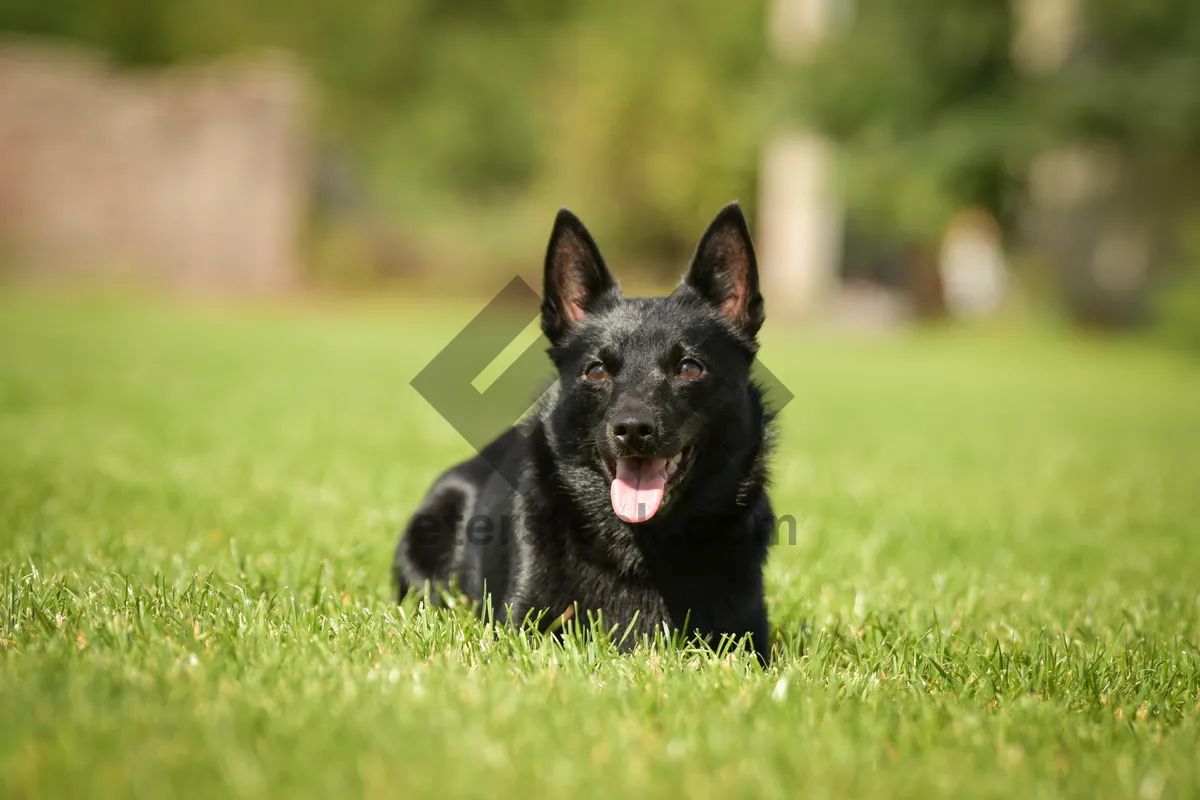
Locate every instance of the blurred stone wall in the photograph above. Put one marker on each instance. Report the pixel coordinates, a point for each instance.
(192, 179)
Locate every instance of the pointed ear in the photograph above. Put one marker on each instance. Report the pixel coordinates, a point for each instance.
(576, 281)
(724, 270)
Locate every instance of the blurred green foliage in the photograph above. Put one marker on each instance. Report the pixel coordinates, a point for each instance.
(473, 120)
(641, 116)
(918, 95)
(932, 114)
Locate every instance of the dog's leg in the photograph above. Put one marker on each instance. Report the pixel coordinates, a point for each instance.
(430, 548)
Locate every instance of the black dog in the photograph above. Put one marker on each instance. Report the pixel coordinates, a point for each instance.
(637, 487)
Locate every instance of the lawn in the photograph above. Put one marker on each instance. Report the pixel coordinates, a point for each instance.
(993, 589)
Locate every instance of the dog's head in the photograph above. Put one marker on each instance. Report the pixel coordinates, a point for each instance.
(655, 394)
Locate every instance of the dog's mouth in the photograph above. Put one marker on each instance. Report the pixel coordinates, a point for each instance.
(642, 486)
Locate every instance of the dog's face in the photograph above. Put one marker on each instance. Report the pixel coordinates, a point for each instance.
(653, 392)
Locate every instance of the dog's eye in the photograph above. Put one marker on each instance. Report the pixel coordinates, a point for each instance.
(690, 370)
(596, 372)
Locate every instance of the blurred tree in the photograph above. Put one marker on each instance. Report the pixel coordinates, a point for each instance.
(919, 96)
(658, 117)
(1127, 91)
(642, 114)
(932, 115)
(473, 120)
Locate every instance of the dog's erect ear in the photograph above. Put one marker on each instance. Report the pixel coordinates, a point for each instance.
(577, 280)
(724, 270)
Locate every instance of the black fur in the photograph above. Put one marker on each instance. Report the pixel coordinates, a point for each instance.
(554, 545)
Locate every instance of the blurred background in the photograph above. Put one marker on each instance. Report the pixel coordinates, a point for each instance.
(900, 162)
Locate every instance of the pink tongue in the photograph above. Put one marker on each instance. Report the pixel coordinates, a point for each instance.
(637, 490)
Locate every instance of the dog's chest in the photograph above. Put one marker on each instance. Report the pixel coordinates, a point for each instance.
(600, 596)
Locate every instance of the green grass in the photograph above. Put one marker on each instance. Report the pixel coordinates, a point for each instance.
(994, 588)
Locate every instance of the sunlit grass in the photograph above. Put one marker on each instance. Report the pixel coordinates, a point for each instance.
(991, 590)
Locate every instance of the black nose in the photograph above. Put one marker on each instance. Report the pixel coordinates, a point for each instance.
(635, 430)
